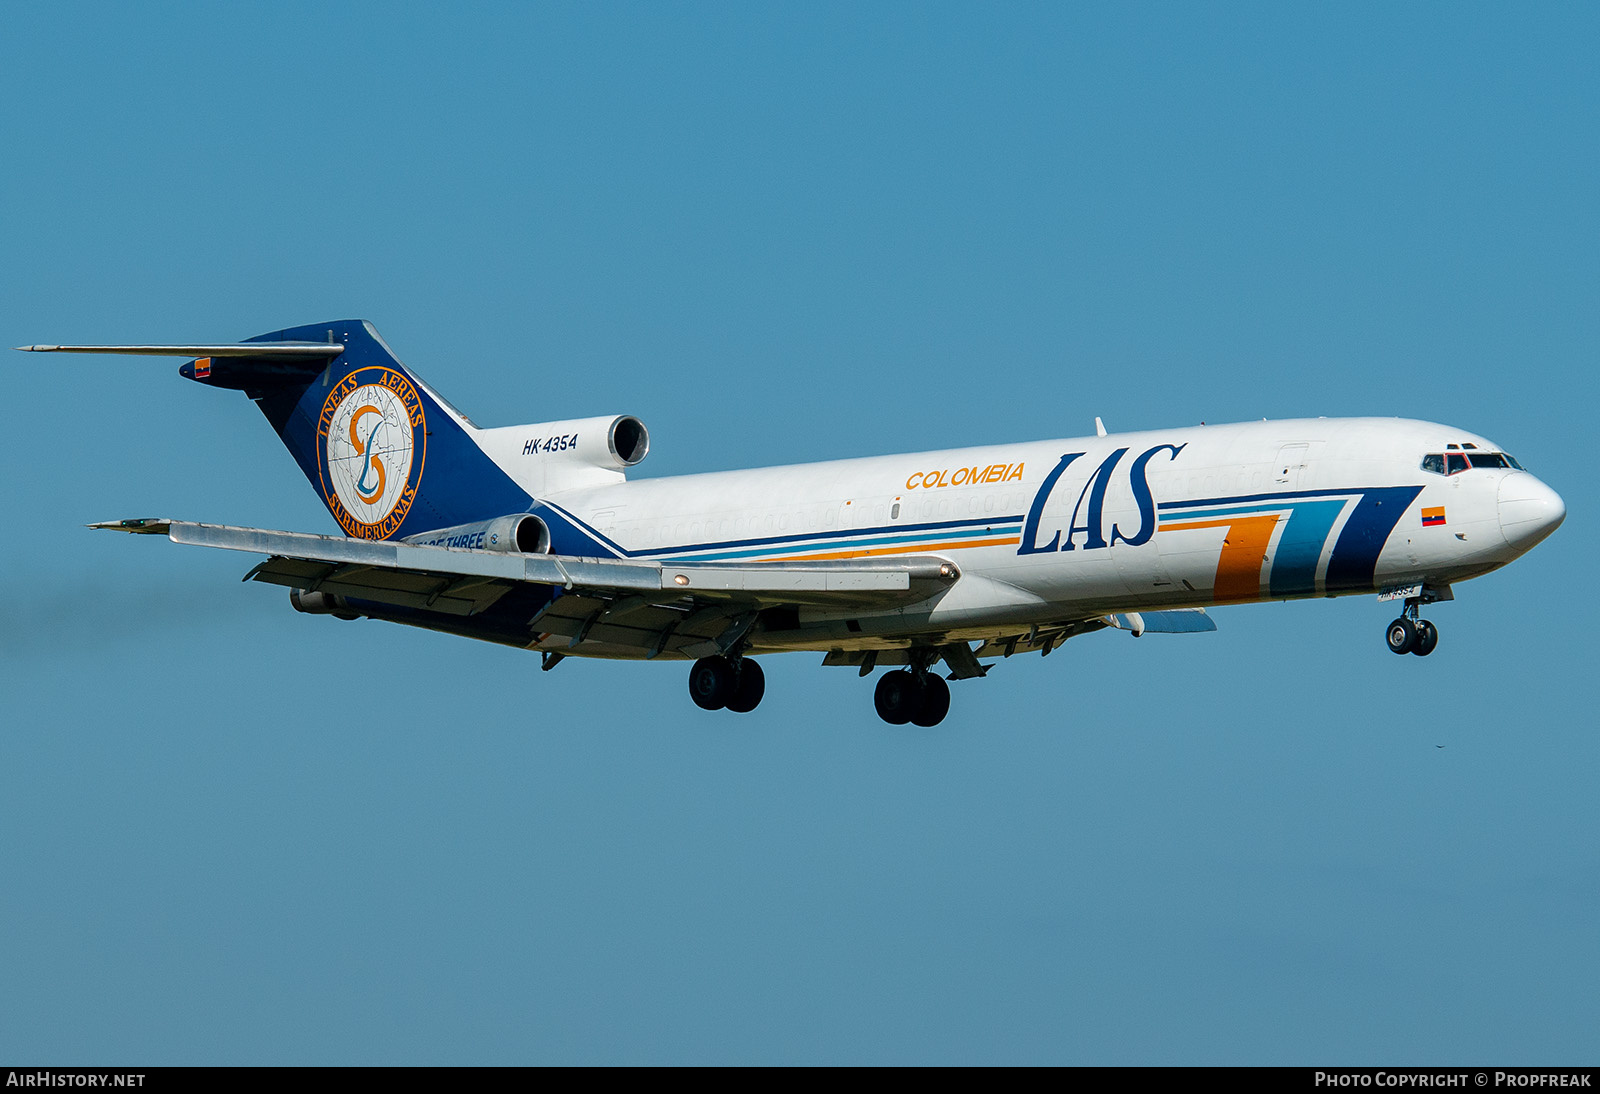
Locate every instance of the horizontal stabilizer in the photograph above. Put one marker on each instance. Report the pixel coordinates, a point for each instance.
(301, 350)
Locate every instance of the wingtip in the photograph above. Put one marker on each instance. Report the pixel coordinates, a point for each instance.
(33, 349)
(142, 525)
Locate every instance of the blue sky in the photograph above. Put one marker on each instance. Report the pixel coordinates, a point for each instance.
(233, 834)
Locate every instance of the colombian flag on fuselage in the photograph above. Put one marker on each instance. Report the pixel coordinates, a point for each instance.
(1430, 517)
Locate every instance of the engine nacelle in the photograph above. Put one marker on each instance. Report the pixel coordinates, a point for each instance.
(313, 603)
(520, 533)
(547, 457)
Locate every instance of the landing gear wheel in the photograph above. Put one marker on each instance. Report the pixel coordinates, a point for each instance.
(751, 687)
(935, 701)
(712, 682)
(897, 697)
(1427, 638)
(1402, 636)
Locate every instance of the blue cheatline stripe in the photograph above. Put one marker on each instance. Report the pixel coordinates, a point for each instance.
(1355, 556)
(943, 528)
(570, 536)
(847, 545)
(1282, 495)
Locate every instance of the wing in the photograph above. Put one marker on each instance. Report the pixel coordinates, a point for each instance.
(608, 607)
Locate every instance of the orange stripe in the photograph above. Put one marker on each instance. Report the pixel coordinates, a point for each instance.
(1225, 522)
(908, 549)
(1244, 552)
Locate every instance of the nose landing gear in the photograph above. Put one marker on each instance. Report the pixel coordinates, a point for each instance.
(1402, 635)
(1411, 633)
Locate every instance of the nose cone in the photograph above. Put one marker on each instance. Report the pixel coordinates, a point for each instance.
(1529, 510)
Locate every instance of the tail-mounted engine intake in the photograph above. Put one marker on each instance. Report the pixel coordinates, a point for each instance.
(521, 533)
(628, 440)
(548, 457)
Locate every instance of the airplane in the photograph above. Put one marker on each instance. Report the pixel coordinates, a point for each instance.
(533, 535)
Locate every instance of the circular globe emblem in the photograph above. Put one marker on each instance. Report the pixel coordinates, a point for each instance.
(372, 443)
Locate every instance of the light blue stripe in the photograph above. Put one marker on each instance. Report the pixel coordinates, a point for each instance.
(1294, 564)
(1240, 511)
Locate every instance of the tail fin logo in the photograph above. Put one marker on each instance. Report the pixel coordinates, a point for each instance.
(372, 441)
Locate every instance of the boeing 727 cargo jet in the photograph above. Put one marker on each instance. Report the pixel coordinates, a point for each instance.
(532, 536)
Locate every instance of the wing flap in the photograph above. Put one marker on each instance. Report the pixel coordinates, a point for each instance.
(1041, 639)
(687, 629)
(456, 595)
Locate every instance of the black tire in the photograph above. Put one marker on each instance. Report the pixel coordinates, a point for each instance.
(897, 697)
(751, 687)
(1402, 636)
(935, 701)
(1427, 638)
(712, 681)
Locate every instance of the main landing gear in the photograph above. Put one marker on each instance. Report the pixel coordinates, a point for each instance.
(916, 695)
(1411, 633)
(736, 683)
(921, 697)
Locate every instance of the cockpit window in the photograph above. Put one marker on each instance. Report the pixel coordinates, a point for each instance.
(1453, 463)
(1456, 461)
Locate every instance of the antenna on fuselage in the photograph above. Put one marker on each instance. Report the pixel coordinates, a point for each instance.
(1099, 427)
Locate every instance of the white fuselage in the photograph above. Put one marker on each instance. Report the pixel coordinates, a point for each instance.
(1052, 531)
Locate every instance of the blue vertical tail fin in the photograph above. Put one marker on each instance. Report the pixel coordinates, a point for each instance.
(388, 457)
